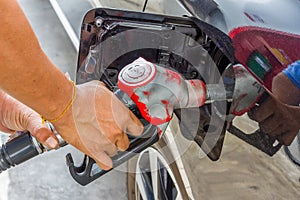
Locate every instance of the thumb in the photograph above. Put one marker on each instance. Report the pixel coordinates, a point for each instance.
(135, 127)
(41, 132)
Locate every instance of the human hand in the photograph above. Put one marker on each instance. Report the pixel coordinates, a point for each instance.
(277, 119)
(15, 116)
(97, 123)
(279, 115)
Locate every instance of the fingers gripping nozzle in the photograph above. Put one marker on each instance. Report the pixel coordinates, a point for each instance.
(157, 91)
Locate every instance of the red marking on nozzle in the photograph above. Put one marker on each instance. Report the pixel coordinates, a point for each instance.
(145, 112)
(202, 98)
(160, 132)
(200, 89)
(173, 77)
(167, 103)
(147, 94)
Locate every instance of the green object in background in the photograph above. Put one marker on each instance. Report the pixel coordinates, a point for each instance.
(258, 64)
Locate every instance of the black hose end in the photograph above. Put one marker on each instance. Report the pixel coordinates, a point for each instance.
(4, 160)
(16, 151)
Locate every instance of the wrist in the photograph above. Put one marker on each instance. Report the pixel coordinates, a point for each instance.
(66, 126)
(62, 104)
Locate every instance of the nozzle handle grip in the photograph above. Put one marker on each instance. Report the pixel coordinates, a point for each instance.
(89, 171)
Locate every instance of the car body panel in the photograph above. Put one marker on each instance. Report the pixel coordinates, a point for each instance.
(274, 14)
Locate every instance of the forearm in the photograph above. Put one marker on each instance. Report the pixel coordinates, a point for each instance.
(25, 71)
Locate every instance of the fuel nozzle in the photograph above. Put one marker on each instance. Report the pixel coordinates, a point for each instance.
(157, 91)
